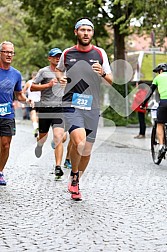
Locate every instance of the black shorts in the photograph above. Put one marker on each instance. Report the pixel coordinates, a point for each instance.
(50, 117)
(162, 112)
(7, 127)
(87, 119)
(34, 108)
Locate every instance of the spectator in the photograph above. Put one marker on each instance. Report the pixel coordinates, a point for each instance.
(138, 99)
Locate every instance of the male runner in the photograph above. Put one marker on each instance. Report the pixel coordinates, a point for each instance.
(35, 96)
(10, 85)
(50, 110)
(86, 66)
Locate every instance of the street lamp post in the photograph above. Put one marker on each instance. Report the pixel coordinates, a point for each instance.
(153, 48)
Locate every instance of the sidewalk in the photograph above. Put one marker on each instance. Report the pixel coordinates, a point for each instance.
(125, 136)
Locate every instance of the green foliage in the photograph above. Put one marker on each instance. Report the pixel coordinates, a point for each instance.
(110, 116)
(55, 18)
(52, 19)
(30, 53)
(41, 25)
(155, 15)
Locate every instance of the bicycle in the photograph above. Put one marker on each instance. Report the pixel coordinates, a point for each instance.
(155, 144)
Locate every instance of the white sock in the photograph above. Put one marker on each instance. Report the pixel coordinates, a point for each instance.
(160, 146)
(35, 125)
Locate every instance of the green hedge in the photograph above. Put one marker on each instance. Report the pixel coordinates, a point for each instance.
(111, 116)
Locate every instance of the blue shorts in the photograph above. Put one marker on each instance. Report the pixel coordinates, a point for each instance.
(7, 127)
(87, 119)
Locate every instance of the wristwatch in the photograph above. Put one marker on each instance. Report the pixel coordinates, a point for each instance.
(103, 75)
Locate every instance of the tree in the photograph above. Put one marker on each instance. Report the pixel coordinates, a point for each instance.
(30, 52)
(50, 23)
(52, 19)
(56, 19)
(154, 19)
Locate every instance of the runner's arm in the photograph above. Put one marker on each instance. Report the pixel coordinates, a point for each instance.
(39, 87)
(105, 70)
(26, 86)
(151, 91)
(99, 69)
(61, 77)
(108, 78)
(22, 98)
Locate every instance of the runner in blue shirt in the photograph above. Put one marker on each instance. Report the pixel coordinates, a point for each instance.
(10, 85)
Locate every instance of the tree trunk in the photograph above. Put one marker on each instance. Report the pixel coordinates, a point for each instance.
(119, 58)
(119, 44)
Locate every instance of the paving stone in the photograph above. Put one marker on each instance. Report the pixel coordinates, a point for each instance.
(124, 198)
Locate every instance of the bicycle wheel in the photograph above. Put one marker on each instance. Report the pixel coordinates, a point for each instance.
(155, 145)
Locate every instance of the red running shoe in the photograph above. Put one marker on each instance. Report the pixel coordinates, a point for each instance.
(76, 197)
(73, 188)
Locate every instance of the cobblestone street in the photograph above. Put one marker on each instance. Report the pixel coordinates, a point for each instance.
(124, 198)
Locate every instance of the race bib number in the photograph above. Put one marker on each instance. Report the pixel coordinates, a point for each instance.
(5, 109)
(82, 101)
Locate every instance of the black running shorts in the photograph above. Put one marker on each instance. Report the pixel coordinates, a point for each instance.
(7, 127)
(162, 112)
(50, 116)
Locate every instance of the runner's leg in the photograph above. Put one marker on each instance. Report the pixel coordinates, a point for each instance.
(84, 160)
(4, 150)
(160, 133)
(58, 134)
(78, 139)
